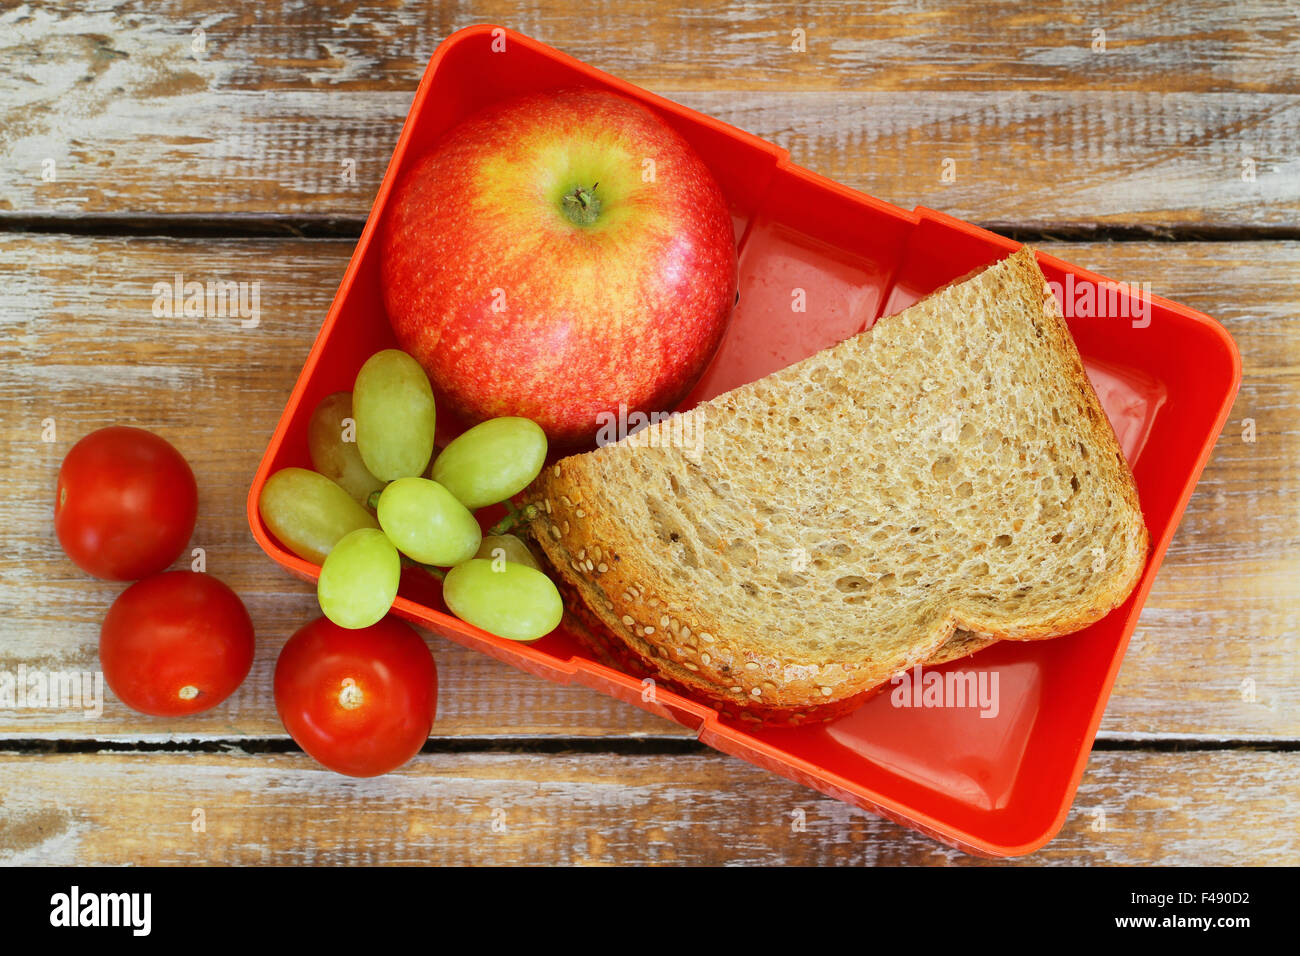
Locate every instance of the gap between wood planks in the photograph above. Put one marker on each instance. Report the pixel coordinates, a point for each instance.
(625, 746)
(258, 226)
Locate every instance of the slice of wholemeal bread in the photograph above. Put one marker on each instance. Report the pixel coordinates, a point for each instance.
(942, 481)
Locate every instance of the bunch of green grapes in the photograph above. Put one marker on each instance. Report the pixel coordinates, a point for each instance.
(373, 498)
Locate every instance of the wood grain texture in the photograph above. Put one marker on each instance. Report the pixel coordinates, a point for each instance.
(79, 344)
(1198, 46)
(1132, 808)
(1040, 129)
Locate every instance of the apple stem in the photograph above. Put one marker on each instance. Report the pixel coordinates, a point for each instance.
(516, 516)
(582, 206)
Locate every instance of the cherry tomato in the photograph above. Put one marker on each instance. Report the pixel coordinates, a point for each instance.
(125, 503)
(360, 701)
(176, 643)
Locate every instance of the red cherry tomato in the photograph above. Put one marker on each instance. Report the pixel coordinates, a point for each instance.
(176, 643)
(361, 702)
(125, 503)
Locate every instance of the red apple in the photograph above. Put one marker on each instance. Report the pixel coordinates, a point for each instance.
(555, 256)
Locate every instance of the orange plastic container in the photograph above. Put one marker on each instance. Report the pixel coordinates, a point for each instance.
(995, 785)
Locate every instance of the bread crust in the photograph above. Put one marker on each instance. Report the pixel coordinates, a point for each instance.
(610, 650)
(622, 604)
(962, 644)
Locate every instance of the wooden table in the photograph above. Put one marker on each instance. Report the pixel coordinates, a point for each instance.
(144, 138)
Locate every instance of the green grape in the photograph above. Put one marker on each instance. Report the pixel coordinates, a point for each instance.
(506, 547)
(492, 461)
(358, 581)
(427, 523)
(309, 513)
(515, 602)
(392, 403)
(331, 440)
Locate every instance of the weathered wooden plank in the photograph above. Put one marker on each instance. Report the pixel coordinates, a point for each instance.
(79, 344)
(980, 110)
(1226, 808)
(847, 44)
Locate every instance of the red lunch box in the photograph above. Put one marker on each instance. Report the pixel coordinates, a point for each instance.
(994, 784)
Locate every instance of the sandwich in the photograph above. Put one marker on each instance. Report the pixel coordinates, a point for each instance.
(939, 482)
